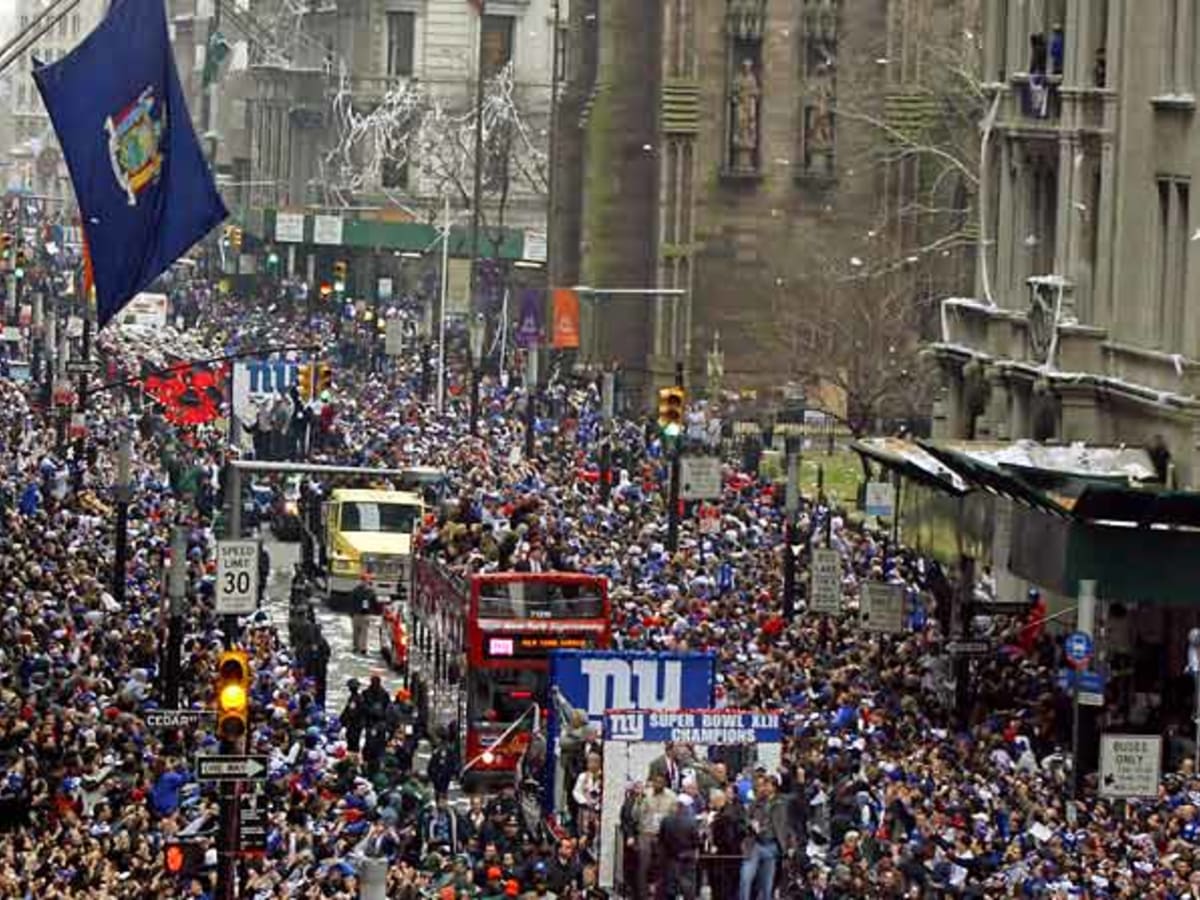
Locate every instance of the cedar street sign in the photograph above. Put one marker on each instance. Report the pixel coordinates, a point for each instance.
(231, 768)
(179, 718)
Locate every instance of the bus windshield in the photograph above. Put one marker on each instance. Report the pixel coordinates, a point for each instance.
(539, 600)
(392, 518)
(503, 695)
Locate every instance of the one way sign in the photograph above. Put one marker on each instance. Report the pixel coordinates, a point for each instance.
(231, 768)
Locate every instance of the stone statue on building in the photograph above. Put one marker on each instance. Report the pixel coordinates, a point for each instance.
(820, 123)
(745, 99)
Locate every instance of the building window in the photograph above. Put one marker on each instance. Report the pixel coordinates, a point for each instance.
(24, 22)
(1174, 227)
(21, 94)
(401, 31)
(74, 24)
(497, 49)
(393, 173)
(1178, 46)
(62, 27)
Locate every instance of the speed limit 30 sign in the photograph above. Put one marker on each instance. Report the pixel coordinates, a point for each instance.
(237, 577)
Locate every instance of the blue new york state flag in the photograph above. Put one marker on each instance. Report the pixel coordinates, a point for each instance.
(144, 189)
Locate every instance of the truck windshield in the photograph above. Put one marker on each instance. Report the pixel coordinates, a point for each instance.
(391, 518)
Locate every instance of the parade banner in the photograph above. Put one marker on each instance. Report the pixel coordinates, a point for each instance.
(566, 320)
(255, 383)
(692, 726)
(145, 192)
(595, 681)
(529, 325)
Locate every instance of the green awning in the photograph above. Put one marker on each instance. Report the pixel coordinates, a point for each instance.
(1101, 503)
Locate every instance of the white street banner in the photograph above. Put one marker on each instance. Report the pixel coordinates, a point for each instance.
(327, 230)
(535, 246)
(700, 477)
(393, 337)
(289, 228)
(880, 499)
(1130, 765)
(881, 607)
(825, 594)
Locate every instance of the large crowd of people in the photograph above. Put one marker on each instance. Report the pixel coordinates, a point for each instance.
(881, 794)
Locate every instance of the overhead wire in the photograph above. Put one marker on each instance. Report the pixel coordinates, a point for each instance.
(25, 39)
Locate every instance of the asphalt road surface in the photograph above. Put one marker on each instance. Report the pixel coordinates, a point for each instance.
(344, 662)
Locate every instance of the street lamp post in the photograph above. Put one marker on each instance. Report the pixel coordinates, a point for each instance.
(177, 592)
(475, 334)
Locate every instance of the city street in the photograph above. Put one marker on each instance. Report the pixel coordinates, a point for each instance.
(344, 662)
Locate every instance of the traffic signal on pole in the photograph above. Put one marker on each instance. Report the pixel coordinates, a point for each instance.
(233, 695)
(183, 858)
(339, 275)
(670, 409)
(324, 377)
(5, 245)
(235, 239)
(304, 376)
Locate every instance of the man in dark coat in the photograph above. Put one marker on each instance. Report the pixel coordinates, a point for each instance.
(680, 843)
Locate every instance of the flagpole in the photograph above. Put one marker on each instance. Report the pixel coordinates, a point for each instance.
(441, 373)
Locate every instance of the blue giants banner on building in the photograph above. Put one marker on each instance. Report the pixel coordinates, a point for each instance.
(693, 726)
(599, 680)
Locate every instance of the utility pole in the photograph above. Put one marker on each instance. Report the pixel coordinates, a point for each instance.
(676, 473)
(477, 187)
(123, 492)
(81, 436)
(176, 592)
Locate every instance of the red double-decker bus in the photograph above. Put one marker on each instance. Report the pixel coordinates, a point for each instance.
(479, 653)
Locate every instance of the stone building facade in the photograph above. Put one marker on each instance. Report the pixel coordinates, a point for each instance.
(728, 147)
(1085, 324)
(274, 110)
(34, 161)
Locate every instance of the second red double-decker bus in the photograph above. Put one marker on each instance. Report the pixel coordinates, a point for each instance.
(480, 648)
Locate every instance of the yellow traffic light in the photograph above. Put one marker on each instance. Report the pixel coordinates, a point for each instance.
(304, 376)
(324, 377)
(5, 244)
(235, 238)
(670, 409)
(339, 270)
(233, 695)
